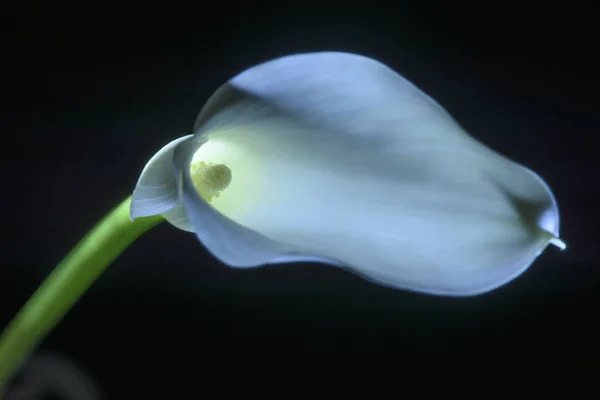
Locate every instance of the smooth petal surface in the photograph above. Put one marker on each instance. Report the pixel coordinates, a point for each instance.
(156, 191)
(335, 157)
(232, 243)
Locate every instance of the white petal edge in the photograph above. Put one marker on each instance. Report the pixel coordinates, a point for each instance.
(156, 190)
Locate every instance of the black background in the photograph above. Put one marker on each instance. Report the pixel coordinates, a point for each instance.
(93, 90)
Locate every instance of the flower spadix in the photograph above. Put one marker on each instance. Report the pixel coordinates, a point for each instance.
(334, 157)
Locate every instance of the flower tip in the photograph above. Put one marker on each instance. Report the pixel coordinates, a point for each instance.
(558, 243)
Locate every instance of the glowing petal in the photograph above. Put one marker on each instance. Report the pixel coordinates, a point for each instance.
(335, 157)
(227, 240)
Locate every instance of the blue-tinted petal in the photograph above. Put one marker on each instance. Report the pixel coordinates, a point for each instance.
(156, 189)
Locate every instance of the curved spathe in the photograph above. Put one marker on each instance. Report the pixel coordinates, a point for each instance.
(156, 191)
(337, 158)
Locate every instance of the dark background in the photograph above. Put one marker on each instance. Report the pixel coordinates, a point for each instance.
(92, 91)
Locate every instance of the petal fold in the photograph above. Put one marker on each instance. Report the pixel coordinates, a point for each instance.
(156, 190)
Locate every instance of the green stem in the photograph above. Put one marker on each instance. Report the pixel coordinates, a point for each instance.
(66, 284)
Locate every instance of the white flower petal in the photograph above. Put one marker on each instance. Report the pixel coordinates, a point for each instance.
(232, 243)
(156, 189)
(178, 217)
(337, 157)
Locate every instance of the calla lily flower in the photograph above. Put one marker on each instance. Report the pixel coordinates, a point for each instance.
(335, 158)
